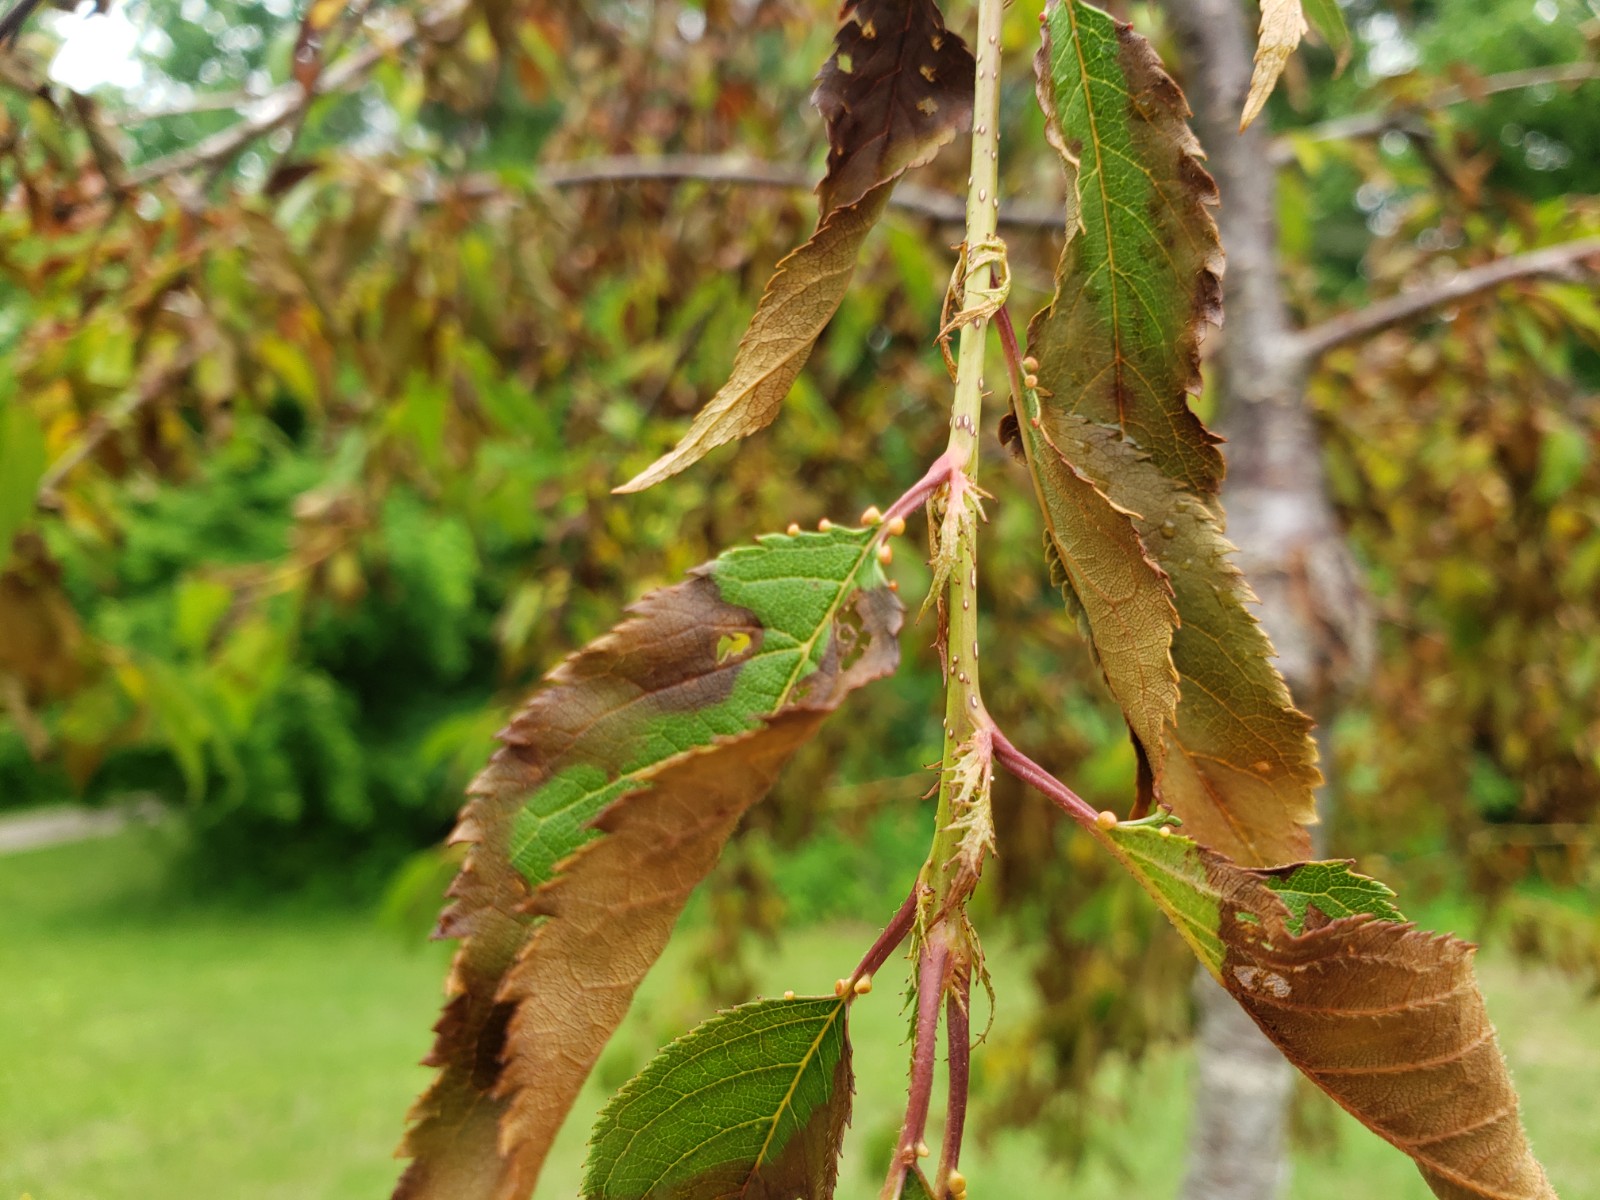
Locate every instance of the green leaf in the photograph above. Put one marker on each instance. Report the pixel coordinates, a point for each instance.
(1563, 458)
(1174, 870)
(1386, 1019)
(1331, 889)
(1327, 18)
(751, 1103)
(617, 785)
(22, 465)
(1140, 273)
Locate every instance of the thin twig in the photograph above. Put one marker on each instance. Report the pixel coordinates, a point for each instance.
(748, 172)
(1569, 260)
(15, 18)
(206, 102)
(287, 102)
(1373, 124)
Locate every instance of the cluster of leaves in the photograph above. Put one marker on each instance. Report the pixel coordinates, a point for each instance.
(424, 385)
(423, 401)
(622, 777)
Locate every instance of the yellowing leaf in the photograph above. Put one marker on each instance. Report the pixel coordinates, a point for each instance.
(1385, 1018)
(611, 798)
(1282, 27)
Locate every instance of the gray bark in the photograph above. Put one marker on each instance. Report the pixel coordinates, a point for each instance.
(1291, 550)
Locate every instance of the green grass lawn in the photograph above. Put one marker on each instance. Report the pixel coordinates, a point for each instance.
(152, 1048)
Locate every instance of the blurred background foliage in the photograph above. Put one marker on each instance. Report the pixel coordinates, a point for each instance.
(308, 438)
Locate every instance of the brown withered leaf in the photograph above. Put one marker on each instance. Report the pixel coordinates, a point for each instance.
(616, 787)
(898, 87)
(800, 300)
(1124, 596)
(1385, 1018)
(1239, 765)
(1282, 26)
(1388, 1020)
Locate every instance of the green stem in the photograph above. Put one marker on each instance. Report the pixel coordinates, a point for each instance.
(964, 711)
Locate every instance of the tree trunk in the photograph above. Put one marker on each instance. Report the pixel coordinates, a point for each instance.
(1291, 550)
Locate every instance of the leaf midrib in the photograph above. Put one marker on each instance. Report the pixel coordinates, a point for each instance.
(514, 850)
(1105, 209)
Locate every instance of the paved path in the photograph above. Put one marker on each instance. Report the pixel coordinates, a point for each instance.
(37, 827)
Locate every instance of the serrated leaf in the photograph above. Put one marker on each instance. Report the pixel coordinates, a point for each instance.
(1140, 273)
(1282, 27)
(752, 1103)
(1118, 352)
(1240, 766)
(897, 87)
(22, 464)
(1123, 596)
(1174, 871)
(617, 785)
(1386, 1019)
(1330, 889)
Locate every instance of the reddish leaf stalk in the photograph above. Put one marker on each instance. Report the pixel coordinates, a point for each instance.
(932, 973)
(918, 493)
(958, 1030)
(889, 940)
(1013, 351)
(1031, 773)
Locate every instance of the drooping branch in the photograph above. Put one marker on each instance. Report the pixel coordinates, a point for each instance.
(1566, 260)
(1402, 116)
(206, 102)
